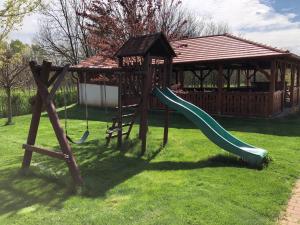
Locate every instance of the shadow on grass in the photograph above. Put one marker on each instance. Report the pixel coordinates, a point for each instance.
(102, 170)
(278, 126)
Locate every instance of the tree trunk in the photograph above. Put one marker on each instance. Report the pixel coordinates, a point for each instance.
(9, 108)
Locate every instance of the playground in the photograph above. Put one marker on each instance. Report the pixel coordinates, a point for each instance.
(133, 164)
(190, 181)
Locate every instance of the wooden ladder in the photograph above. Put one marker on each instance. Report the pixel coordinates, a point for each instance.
(112, 132)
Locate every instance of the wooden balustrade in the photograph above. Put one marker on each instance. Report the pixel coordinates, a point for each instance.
(296, 96)
(245, 104)
(233, 103)
(277, 102)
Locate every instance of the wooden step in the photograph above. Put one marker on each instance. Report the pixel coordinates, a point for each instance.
(116, 135)
(125, 116)
(114, 129)
(129, 106)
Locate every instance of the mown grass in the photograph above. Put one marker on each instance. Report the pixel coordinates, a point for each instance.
(191, 181)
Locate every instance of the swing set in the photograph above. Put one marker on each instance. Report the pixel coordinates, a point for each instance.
(144, 62)
(86, 134)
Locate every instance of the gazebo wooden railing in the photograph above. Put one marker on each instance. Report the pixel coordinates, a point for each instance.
(233, 103)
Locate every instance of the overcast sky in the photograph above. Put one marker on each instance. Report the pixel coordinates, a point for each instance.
(273, 22)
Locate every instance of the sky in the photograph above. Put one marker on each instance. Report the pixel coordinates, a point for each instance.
(271, 22)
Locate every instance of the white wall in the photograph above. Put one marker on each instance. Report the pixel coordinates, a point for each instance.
(95, 95)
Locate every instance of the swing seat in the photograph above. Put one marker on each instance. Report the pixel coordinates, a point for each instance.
(81, 140)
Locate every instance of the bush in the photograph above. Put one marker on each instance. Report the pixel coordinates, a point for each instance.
(22, 102)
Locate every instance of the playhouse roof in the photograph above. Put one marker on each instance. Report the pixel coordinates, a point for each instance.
(199, 49)
(157, 44)
(97, 62)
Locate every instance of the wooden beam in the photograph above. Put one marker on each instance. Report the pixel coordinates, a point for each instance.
(239, 78)
(292, 85)
(181, 77)
(120, 109)
(35, 120)
(43, 151)
(145, 102)
(57, 83)
(283, 86)
(167, 73)
(220, 88)
(272, 86)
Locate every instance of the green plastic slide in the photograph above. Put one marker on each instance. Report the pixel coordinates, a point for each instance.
(211, 128)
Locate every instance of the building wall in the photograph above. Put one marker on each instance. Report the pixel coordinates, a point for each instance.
(95, 95)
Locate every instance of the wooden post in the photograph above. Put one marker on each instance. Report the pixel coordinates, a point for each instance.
(181, 77)
(228, 78)
(292, 85)
(272, 86)
(120, 108)
(120, 120)
(220, 88)
(167, 75)
(282, 79)
(298, 84)
(248, 78)
(145, 102)
(35, 120)
(239, 78)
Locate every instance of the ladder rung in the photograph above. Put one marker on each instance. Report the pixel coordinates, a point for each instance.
(112, 130)
(116, 135)
(129, 106)
(124, 116)
(115, 128)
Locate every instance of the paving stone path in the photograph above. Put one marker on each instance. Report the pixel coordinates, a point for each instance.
(292, 213)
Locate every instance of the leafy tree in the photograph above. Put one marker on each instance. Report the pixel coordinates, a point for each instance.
(63, 34)
(14, 71)
(12, 13)
(112, 22)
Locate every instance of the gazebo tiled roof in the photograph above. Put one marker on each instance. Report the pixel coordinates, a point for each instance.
(199, 49)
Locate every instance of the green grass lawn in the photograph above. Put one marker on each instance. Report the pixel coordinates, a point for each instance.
(191, 181)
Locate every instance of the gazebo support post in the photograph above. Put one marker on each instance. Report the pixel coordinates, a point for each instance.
(298, 83)
(292, 85)
(272, 86)
(220, 88)
(239, 78)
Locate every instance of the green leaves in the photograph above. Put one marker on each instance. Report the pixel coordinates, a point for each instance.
(12, 14)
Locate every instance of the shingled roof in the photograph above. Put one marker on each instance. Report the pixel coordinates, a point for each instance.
(97, 62)
(199, 49)
(156, 43)
(221, 47)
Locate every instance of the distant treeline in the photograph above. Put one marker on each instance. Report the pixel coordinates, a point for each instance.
(23, 99)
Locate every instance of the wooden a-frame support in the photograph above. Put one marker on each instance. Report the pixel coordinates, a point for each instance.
(44, 98)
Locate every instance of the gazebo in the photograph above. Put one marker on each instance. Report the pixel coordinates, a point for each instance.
(228, 75)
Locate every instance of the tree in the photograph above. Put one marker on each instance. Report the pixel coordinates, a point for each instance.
(14, 71)
(112, 22)
(63, 34)
(12, 13)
